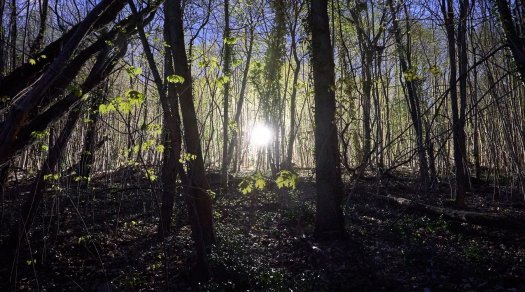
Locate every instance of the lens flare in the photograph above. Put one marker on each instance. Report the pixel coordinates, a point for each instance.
(261, 135)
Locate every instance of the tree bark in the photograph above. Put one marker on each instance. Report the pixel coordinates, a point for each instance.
(329, 223)
(196, 172)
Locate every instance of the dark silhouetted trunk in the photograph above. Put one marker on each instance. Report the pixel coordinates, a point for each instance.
(13, 34)
(457, 106)
(87, 157)
(515, 40)
(39, 40)
(199, 200)
(329, 223)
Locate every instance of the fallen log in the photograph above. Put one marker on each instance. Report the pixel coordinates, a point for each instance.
(505, 221)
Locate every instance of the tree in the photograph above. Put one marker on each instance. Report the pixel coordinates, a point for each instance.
(329, 222)
(512, 24)
(413, 100)
(458, 107)
(227, 47)
(106, 61)
(196, 173)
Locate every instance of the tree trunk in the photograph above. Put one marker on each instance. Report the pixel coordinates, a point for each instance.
(238, 111)
(39, 40)
(2, 39)
(196, 171)
(13, 34)
(173, 145)
(329, 223)
(293, 96)
(515, 40)
(458, 134)
(226, 73)
(87, 157)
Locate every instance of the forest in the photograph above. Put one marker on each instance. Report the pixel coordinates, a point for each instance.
(267, 145)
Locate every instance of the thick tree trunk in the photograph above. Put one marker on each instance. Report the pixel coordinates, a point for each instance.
(173, 145)
(196, 173)
(329, 223)
(195, 184)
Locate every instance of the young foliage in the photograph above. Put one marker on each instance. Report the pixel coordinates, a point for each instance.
(176, 79)
(287, 179)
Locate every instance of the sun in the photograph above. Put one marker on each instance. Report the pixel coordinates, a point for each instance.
(261, 135)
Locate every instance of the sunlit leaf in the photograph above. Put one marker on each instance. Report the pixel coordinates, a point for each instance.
(176, 79)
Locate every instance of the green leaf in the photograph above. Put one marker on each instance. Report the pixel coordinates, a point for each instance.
(150, 174)
(176, 79)
(39, 134)
(230, 40)
(32, 61)
(134, 71)
(286, 178)
(260, 183)
(102, 108)
(186, 157)
(223, 80)
(236, 63)
(246, 186)
(135, 97)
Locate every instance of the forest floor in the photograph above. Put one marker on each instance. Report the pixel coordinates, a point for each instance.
(104, 240)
